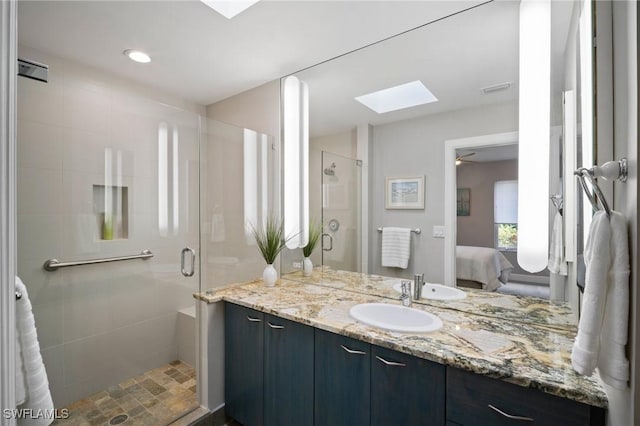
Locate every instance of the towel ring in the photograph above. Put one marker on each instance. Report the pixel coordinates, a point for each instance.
(611, 170)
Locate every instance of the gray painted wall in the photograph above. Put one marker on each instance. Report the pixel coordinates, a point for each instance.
(416, 147)
(477, 228)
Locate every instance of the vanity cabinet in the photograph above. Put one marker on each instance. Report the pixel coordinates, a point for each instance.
(405, 390)
(280, 372)
(342, 380)
(243, 380)
(268, 369)
(475, 400)
(288, 373)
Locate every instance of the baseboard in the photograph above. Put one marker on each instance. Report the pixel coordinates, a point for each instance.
(529, 279)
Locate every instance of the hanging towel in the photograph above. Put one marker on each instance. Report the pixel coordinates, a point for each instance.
(396, 247)
(557, 264)
(602, 331)
(32, 375)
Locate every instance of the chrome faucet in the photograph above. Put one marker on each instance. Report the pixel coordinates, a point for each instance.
(418, 283)
(405, 296)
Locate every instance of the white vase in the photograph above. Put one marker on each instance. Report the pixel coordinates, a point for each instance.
(307, 267)
(270, 276)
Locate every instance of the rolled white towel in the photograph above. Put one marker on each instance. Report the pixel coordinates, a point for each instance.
(396, 247)
(38, 396)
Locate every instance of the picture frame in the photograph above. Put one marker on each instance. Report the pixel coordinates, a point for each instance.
(463, 201)
(404, 192)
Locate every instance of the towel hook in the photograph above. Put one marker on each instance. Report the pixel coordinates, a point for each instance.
(18, 295)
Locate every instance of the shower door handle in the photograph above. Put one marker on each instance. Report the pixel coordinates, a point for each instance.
(330, 240)
(193, 261)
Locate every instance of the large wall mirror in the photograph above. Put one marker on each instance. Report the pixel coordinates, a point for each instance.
(469, 62)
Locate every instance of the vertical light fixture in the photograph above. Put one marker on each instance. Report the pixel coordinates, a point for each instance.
(163, 176)
(534, 134)
(586, 105)
(296, 161)
(250, 157)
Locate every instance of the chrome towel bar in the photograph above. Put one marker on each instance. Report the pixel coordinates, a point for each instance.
(415, 231)
(54, 264)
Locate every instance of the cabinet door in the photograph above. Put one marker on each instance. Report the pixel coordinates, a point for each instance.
(288, 374)
(406, 390)
(474, 400)
(342, 380)
(243, 382)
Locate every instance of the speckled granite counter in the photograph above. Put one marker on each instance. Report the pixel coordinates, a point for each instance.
(528, 355)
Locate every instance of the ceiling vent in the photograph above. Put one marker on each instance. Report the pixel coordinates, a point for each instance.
(496, 88)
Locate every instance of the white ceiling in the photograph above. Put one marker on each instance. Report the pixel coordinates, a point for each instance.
(204, 57)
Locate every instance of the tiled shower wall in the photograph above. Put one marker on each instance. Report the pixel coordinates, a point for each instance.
(101, 324)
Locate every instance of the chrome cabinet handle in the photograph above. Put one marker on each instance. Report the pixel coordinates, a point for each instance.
(193, 261)
(391, 363)
(330, 240)
(509, 416)
(253, 319)
(277, 327)
(352, 351)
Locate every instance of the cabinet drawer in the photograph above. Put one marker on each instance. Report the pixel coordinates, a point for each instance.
(474, 400)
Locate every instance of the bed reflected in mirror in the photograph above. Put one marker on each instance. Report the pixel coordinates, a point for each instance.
(487, 223)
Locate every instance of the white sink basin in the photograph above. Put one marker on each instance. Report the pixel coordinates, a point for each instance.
(437, 292)
(395, 318)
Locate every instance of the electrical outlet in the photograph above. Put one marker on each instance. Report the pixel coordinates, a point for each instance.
(297, 264)
(438, 232)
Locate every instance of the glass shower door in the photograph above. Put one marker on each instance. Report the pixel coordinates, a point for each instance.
(341, 207)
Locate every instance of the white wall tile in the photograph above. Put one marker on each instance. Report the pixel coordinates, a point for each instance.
(39, 237)
(86, 110)
(39, 145)
(39, 102)
(40, 191)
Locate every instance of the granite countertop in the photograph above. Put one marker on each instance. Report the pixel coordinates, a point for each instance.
(529, 355)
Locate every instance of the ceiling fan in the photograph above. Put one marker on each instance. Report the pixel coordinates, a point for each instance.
(461, 158)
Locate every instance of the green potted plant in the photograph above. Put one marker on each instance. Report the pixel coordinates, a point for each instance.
(270, 240)
(315, 231)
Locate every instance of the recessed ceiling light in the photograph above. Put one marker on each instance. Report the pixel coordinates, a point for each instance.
(229, 8)
(398, 97)
(137, 55)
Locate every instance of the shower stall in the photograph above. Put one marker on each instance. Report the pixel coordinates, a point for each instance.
(107, 171)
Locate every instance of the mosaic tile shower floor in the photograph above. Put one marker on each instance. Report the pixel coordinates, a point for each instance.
(156, 398)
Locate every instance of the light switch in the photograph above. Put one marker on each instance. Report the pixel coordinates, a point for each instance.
(438, 231)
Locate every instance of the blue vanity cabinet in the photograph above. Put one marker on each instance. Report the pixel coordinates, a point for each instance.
(342, 380)
(288, 373)
(475, 400)
(244, 341)
(406, 390)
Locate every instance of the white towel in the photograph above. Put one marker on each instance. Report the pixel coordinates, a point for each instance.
(396, 247)
(32, 374)
(602, 331)
(557, 264)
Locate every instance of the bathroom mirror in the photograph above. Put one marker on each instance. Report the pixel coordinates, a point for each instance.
(469, 63)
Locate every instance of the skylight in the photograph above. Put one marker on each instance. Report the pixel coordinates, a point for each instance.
(229, 8)
(398, 97)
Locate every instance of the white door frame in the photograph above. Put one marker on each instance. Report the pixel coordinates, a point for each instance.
(450, 147)
(8, 87)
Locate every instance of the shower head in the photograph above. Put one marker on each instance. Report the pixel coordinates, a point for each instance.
(331, 170)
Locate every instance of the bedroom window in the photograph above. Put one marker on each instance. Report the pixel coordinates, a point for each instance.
(505, 214)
